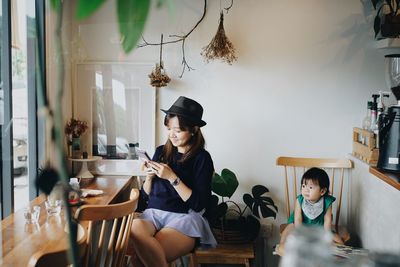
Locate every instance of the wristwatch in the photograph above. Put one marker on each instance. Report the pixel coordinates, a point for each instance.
(176, 181)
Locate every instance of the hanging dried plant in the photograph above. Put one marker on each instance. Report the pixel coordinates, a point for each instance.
(220, 46)
(158, 77)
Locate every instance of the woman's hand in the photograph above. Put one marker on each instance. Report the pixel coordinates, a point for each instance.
(147, 169)
(162, 170)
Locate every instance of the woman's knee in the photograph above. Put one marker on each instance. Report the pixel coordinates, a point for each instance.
(174, 243)
(142, 228)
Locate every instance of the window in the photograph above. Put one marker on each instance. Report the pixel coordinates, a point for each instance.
(119, 102)
(22, 29)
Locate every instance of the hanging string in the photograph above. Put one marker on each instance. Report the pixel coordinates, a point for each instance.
(161, 43)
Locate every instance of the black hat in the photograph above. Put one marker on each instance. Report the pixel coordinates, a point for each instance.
(187, 108)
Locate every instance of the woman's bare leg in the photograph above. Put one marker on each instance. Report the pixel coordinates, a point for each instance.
(148, 250)
(174, 243)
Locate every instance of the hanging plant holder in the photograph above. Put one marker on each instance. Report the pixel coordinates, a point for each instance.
(158, 77)
(220, 47)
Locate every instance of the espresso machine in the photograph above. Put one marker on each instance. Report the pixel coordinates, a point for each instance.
(389, 121)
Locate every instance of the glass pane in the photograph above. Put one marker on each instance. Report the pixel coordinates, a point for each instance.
(115, 105)
(118, 101)
(22, 31)
(1, 91)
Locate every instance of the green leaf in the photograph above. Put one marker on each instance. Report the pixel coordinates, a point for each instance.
(267, 212)
(259, 190)
(375, 2)
(85, 8)
(269, 201)
(132, 15)
(377, 25)
(225, 184)
(221, 210)
(255, 211)
(259, 203)
(248, 200)
(56, 5)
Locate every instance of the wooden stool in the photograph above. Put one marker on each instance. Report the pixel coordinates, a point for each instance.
(224, 254)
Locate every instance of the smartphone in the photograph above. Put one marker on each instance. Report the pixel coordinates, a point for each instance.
(142, 154)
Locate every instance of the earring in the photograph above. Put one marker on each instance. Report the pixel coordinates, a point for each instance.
(192, 134)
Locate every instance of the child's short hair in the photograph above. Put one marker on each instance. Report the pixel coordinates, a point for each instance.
(317, 175)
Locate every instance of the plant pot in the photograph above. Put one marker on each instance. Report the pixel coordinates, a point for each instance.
(390, 28)
(76, 147)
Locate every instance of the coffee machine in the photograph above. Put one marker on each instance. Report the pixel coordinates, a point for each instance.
(389, 122)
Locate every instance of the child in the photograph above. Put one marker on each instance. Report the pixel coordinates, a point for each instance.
(313, 205)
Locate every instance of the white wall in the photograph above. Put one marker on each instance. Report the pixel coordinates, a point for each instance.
(304, 74)
(374, 210)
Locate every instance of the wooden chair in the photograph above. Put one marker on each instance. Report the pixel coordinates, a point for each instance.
(295, 168)
(57, 257)
(115, 219)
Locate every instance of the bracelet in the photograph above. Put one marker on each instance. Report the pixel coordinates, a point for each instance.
(176, 181)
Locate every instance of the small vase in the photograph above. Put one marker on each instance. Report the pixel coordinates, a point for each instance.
(76, 147)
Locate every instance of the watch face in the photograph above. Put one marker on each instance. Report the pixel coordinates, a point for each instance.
(176, 182)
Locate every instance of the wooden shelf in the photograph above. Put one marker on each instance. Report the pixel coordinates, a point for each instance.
(391, 178)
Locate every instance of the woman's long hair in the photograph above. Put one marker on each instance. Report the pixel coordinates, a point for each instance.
(196, 141)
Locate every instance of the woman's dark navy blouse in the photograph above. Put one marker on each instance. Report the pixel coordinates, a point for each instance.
(196, 173)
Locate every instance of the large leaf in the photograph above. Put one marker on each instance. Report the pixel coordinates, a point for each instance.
(269, 201)
(375, 2)
(248, 200)
(267, 212)
(377, 25)
(258, 202)
(225, 184)
(259, 190)
(85, 8)
(132, 16)
(56, 5)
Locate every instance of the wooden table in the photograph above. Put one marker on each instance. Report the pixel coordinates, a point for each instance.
(20, 241)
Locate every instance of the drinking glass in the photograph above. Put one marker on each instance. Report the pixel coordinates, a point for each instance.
(31, 214)
(53, 207)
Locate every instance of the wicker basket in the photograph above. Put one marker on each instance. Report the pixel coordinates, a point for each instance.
(230, 236)
(230, 233)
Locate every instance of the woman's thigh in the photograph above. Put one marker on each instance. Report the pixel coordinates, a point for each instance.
(142, 228)
(174, 243)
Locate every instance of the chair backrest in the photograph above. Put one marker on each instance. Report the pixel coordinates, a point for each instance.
(114, 222)
(295, 168)
(59, 258)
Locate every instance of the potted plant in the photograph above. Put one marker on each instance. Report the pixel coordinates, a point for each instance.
(387, 19)
(73, 130)
(229, 222)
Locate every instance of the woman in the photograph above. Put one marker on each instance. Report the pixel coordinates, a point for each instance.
(177, 190)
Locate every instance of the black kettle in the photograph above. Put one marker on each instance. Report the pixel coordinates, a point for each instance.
(389, 140)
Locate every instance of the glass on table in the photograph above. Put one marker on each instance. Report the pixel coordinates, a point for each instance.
(53, 207)
(31, 214)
